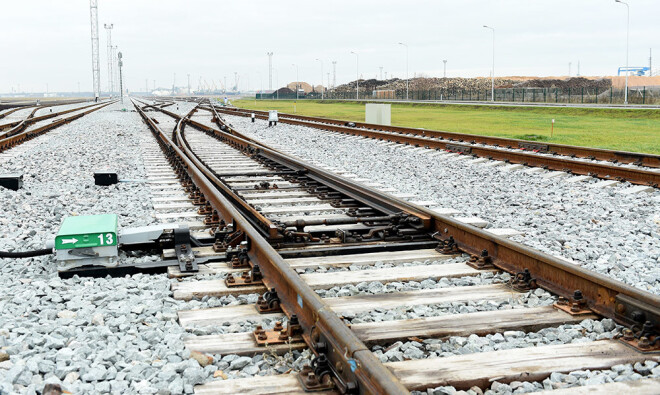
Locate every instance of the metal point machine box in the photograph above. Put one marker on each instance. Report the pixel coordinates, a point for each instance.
(83, 239)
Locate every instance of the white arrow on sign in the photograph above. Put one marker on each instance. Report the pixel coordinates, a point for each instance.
(69, 241)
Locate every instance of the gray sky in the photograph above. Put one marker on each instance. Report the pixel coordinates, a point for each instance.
(49, 41)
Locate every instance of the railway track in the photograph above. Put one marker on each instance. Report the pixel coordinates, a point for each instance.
(637, 168)
(18, 132)
(311, 243)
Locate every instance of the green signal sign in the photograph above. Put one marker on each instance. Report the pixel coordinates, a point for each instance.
(87, 231)
(86, 240)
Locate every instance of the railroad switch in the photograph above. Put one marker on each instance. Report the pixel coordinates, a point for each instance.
(89, 245)
(11, 181)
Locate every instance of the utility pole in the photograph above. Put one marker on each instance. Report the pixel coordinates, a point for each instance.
(235, 81)
(357, 75)
(115, 67)
(321, 78)
(270, 70)
(407, 80)
(381, 72)
(334, 73)
(444, 72)
(111, 83)
(297, 89)
(625, 101)
(96, 68)
(578, 73)
(121, 85)
(492, 76)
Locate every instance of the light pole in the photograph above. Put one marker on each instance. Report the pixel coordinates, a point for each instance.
(321, 77)
(121, 81)
(492, 77)
(405, 45)
(444, 72)
(357, 75)
(625, 100)
(296, 66)
(270, 70)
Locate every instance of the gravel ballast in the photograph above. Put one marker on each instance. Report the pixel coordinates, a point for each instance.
(599, 229)
(95, 335)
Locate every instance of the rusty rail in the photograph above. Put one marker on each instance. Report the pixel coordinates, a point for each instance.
(638, 158)
(30, 119)
(423, 138)
(21, 137)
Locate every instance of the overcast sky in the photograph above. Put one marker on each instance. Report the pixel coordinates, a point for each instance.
(46, 41)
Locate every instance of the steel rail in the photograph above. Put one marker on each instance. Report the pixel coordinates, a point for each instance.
(604, 171)
(638, 158)
(15, 106)
(319, 322)
(30, 119)
(604, 295)
(21, 137)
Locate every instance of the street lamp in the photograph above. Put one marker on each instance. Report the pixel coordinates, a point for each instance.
(296, 66)
(625, 100)
(405, 45)
(492, 77)
(357, 75)
(321, 77)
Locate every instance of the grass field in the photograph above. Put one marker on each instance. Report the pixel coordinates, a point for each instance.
(618, 129)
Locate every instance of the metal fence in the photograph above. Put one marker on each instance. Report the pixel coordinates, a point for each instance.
(637, 95)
